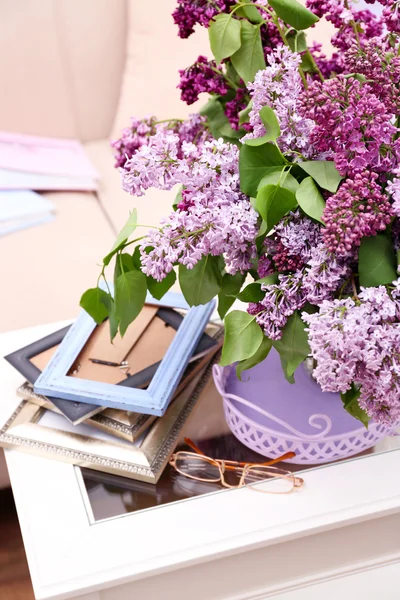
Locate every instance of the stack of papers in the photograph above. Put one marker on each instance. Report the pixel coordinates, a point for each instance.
(37, 163)
(22, 209)
(30, 163)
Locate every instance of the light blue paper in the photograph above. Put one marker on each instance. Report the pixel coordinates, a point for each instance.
(16, 204)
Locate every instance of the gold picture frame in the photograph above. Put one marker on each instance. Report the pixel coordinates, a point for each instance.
(144, 461)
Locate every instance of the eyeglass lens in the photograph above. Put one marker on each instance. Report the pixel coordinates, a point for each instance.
(269, 480)
(197, 467)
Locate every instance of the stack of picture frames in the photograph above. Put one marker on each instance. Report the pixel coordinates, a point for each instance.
(117, 407)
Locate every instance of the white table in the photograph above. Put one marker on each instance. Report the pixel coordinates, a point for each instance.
(338, 538)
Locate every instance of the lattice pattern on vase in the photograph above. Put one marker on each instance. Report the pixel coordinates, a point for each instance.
(309, 449)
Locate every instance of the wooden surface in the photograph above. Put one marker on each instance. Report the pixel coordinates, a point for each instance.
(15, 583)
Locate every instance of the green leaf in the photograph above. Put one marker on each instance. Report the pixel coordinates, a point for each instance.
(251, 13)
(310, 199)
(293, 346)
(273, 202)
(230, 287)
(112, 319)
(324, 172)
(285, 180)
(249, 58)
(297, 40)
(200, 284)
(243, 337)
(218, 122)
(350, 403)
(125, 262)
(244, 114)
(178, 197)
(94, 301)
(251, 293)
(288, 375)
(293, 13)
(376, 261)
(224, 34)
(136, 259)
(260, 355)
(308, 64)
(158, 288)
(270, 122)
(255, 163)
(130, 295)
(269, 279)
(123, 236)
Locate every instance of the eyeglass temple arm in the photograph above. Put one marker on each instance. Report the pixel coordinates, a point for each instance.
(193, 446)
(285, 456)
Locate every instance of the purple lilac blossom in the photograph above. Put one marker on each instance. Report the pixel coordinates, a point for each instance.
(359, 342)
(192, 12)
(279, 303)
(324, 273)
(393, 189)
(292, 241)
(265, 266)
(353, 124)
(133, 138)
(368, 26)
(217, 218)
(279, 86)
(359, 209)
(270, 36)
(391, 15)
(380, 63)
(298, 234)
(202, 76)
(141, 132)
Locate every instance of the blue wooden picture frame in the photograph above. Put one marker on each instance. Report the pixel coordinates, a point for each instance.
(55, 382)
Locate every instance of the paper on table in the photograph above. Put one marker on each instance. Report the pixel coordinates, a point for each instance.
(18, 203)
(50, 156)
(22, 209)
(12, 180)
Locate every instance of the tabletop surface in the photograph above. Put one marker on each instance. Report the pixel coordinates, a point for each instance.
(66, 554)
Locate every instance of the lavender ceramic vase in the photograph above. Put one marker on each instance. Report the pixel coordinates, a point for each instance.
(271, 416)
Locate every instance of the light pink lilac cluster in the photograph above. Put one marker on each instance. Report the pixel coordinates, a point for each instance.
(216, 217)
(316, 282)
(279, 303)
(141, 131)
(393, 188)
(290, 245)
(358, 341)
(279, 86)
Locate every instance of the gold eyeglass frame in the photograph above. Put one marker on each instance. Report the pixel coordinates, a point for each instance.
(241, 468)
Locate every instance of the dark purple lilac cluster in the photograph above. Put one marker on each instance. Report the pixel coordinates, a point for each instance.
(189, 13)
(380, 64)
(359, 209)
(202, 77)
(352, 124)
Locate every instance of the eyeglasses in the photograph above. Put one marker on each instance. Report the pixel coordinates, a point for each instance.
(195, 465)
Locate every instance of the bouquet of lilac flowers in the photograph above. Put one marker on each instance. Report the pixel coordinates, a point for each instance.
(290, 175)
